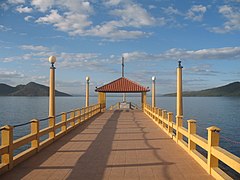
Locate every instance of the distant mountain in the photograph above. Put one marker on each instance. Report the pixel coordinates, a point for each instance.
(30, 89)
(232, 89)
(6, 89)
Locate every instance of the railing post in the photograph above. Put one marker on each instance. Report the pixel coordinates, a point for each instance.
(179, 123)
(72, 116)
(84, 114)
(7, 140)
(164, 118)
(79, 116)
(91, 114)
(158, 113)
(192, 129)
(170, 119)
(213, 140)
(35, 130)
(154, 113)
(52, 125)
(64, 119)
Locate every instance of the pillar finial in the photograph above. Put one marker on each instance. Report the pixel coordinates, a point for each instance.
(180, 64)
(122, 66)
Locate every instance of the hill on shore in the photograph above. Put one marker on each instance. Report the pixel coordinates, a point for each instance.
(30, 89)
(232, 89)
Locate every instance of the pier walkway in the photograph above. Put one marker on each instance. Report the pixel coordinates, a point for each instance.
(120, 144)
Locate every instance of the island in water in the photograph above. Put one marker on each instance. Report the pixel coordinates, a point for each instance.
(232, 89)
(30, 89)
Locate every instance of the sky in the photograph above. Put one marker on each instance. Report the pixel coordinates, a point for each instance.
(89, 37)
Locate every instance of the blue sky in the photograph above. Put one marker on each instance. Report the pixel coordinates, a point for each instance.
(90, 37)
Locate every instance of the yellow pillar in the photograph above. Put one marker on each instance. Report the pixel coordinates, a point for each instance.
(87, 91)
(144, 99)
(102, 100)
(179, 90)
(153, 92)
(52, 60)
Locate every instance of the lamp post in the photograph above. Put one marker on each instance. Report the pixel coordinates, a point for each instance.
(153, 91)
(52, 60)
(87, 91)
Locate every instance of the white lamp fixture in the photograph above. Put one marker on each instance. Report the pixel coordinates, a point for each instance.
(87, 78)
(52, 60)
(153, 78)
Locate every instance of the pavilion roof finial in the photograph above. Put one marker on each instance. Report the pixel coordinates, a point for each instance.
(122, 66)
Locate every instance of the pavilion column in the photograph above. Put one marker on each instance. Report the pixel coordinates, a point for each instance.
(102, 100)
(144, 99)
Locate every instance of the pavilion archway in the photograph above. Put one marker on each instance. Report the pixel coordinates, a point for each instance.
(121, 85)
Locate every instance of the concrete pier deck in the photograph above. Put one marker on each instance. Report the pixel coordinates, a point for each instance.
(121, 144)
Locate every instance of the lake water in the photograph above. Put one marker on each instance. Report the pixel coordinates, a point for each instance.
(222, 112)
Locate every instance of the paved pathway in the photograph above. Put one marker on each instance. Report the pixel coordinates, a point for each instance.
(114, 145)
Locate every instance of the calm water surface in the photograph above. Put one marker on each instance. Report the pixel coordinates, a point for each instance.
(222, 112)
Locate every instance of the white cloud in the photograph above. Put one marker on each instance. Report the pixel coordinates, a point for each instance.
(172, 11)
(28, 18)
(196, 12)
(134, 15)
(112, 2)
(69, 5)
(42, 5)
(79, 60)
(111, 30)
(204, 69)
(16, 1)
(80, 6)
(52, 18)
(34, 48)
(152, 7)
(78, 24)
(73, 23)
(5, 74)
(74, 19)
(4, 28)
(225, 53)
(232, 23)
(22, 9)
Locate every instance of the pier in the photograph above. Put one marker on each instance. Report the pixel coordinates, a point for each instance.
(122, 143)
(119, 144)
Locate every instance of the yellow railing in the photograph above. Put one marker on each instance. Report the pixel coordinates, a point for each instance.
(117, 106)
(176, 131)
(69, 120)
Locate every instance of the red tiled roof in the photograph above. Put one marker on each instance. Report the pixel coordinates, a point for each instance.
(122, 85)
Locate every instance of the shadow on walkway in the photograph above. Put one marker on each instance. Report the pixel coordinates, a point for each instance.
(35, 162)
(93, 162)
